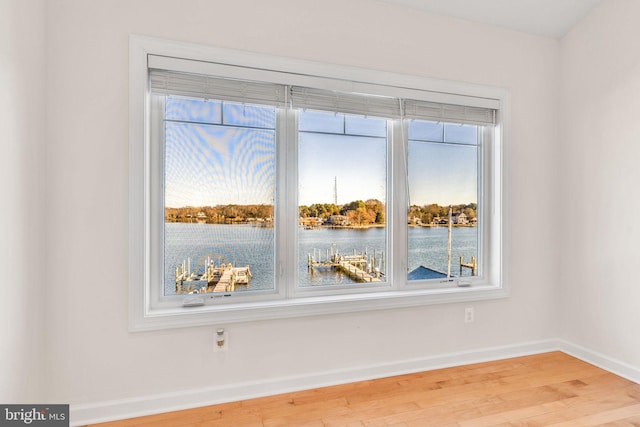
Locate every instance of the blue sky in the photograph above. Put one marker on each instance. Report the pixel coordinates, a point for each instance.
(208, 165)
(214, 165)
(442, 173)
(351, 150)
(442, 161)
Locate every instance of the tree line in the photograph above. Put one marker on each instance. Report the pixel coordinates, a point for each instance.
(427, 214)
(219, 214)
(357, 212)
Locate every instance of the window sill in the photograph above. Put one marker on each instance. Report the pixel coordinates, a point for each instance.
(224, 314)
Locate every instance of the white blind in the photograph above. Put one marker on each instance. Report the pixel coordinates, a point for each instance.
(343, 102)
(449, 113)
(225, 89)
(181, 83)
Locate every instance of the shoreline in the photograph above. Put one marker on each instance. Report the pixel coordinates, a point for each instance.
(318, 227)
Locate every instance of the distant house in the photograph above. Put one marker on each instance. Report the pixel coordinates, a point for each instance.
(438, 220)
(234, 220)
(337, 220)
(461, 219)
(310, 222)
(201, 215)
(415, 220)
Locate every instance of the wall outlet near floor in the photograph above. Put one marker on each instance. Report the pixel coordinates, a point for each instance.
(469, 315)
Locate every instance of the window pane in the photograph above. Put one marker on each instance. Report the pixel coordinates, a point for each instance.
(314, 121)
(193, 110)
(248, 115)
(442, 177)
(342, 201)
(423, 130)
(366, 126)
(461, 134)
(219, 184)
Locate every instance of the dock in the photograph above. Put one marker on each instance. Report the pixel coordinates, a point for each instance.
(214, 278)
(360, 267)
(473, 266)
(233, 276)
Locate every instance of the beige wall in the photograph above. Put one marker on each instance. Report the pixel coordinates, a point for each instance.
(22, 252)
(600, 143)
(64, 79)
(94, 358)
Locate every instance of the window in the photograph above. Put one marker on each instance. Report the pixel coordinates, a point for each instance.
(446, 204)
(219, 187)
(264, 187)
(342, 182)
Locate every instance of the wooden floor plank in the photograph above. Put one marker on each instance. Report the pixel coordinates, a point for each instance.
(550, 389)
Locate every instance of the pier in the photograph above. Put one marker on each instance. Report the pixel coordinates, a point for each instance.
(360, 267)
(473, 266)
(220, 278)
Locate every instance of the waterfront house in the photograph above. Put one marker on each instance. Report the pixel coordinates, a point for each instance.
(461, 219)
(337, 220)
(310, 222)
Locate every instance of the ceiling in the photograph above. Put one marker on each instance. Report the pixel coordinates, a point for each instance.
(548, 18)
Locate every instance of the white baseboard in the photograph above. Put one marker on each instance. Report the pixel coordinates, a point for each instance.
(600, 360)
(97, 412)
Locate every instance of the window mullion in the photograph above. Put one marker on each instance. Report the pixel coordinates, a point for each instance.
(156, 153)
(398, 200)
(287, 216)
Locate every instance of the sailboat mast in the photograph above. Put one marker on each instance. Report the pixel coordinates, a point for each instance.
(449, 245)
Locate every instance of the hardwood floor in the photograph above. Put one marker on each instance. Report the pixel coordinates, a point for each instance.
(541, 390)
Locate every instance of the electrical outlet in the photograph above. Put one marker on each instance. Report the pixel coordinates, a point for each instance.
(220, 340)
(469, 315)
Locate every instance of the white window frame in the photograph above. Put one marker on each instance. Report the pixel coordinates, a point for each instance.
(149, 312)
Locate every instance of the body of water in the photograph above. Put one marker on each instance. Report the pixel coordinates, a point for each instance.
(253, 246)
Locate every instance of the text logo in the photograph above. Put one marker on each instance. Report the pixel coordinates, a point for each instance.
(34, 415)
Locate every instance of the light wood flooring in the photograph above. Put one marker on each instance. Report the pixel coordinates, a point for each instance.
(550, 389)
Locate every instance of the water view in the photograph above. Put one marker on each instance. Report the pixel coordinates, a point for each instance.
(220, 186)
(246, 245)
